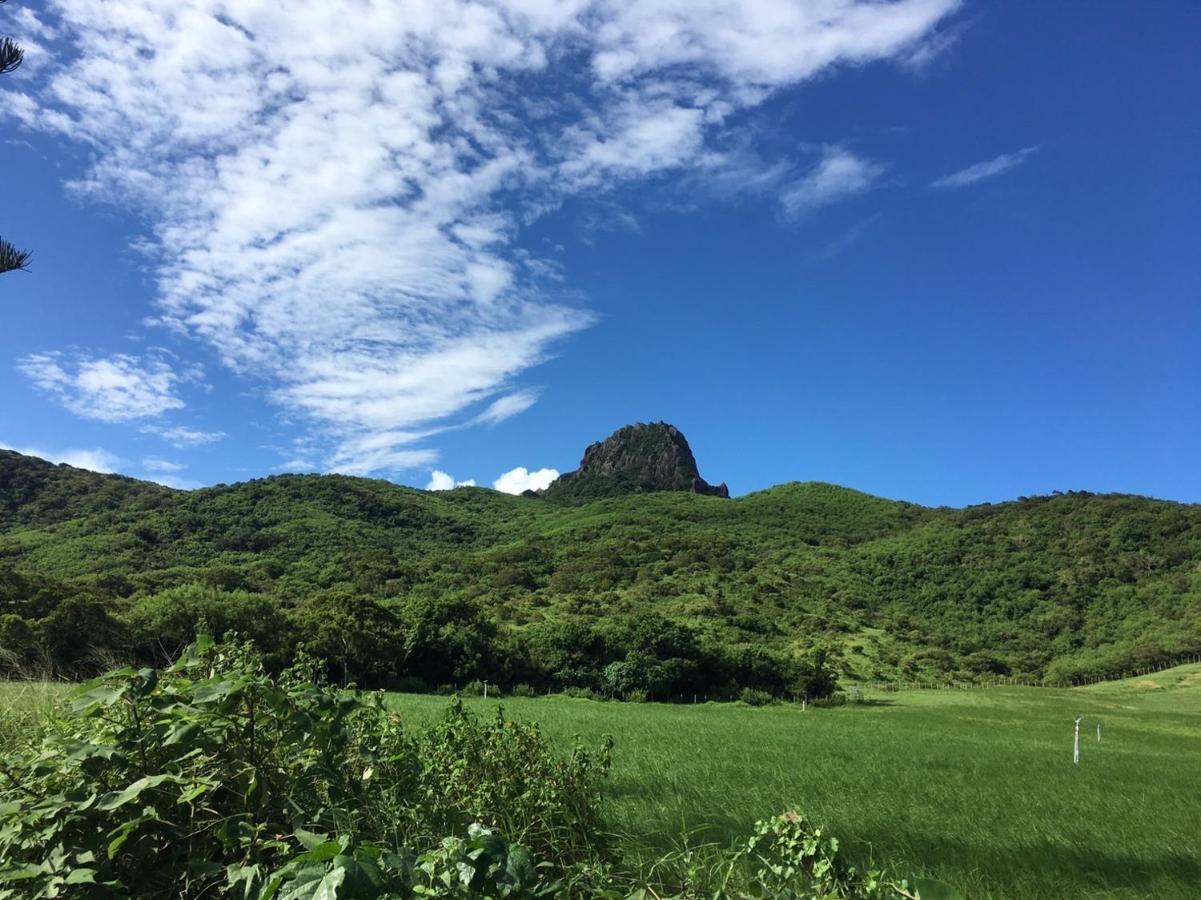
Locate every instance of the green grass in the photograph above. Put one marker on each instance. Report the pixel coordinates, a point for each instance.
(23, 705)
(973, 787)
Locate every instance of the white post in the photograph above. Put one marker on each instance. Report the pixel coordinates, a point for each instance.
(1076, 743)
(1098, 732)
(485, 688)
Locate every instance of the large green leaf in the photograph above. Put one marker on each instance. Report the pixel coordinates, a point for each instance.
(117, 799)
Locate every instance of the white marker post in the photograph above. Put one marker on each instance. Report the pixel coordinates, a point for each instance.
(1098, 732)
(485, 688)
(1076, 743)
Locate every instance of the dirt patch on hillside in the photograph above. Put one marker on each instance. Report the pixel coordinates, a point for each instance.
(1146, 685)
(1190, 678)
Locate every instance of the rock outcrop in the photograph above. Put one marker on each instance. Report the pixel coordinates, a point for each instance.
(636, 459)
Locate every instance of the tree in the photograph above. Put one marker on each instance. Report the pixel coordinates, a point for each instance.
(447, 640)
(351, 632)
(11, 57)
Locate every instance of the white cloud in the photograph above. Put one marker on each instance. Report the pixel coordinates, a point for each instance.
(94, 459)
(297, 464)
(987, 169)
(839, 174)
(507, 406)
(641, 136)
(156, 464)
(171, 481)
(515, 481)
(180, 436)
(117, 388)
(335, 192)
(846, 239)
(756, 43)
(381, 451)
(935, 47)
(442, 481)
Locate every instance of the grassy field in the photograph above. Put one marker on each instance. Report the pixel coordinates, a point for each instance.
(976, 788)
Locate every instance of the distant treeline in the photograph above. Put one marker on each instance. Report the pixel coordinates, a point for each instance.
(415, 645)
(1059, 589)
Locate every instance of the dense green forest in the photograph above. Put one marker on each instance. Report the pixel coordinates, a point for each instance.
(663, 594)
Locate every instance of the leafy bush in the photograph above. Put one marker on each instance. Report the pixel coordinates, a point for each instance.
(410, 684)
(754, 697)
(789, 858)
(213, 778)
(786, 857)
(582, 693)
(482, 864)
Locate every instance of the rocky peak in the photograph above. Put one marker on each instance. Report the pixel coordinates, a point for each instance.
(638, 458)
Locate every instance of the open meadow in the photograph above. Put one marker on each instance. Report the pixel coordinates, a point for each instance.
(973, 787)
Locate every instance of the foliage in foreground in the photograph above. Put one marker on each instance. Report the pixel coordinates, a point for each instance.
(214, 779)
(213, 776)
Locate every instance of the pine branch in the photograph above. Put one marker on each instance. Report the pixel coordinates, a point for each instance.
(12, 259)
(11, 55)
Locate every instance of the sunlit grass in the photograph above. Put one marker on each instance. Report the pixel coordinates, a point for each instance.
(23, 705)
(974, 787)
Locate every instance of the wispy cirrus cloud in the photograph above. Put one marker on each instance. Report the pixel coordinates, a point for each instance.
(507, 406)
(840, 174)
(845, 240)
(158, 464)
(117, 388)
(990, 168)
(181, 436)
(338, 219)
(935, 47)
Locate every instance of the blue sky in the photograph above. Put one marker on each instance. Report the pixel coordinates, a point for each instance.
(946, 252)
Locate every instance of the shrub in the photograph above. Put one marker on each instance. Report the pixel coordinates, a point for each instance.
(480, 865)
(524, 690)
(410, 684)
(473, 689)
(213, 777)
(789, 858)
(755, 697)
(582, 693)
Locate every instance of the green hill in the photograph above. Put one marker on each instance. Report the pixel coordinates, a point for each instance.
(1063, 586)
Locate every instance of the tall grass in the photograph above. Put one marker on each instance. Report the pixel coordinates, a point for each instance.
(976, 788)
(23, 706)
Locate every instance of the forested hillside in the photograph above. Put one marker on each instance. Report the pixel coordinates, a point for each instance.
(666, 593)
